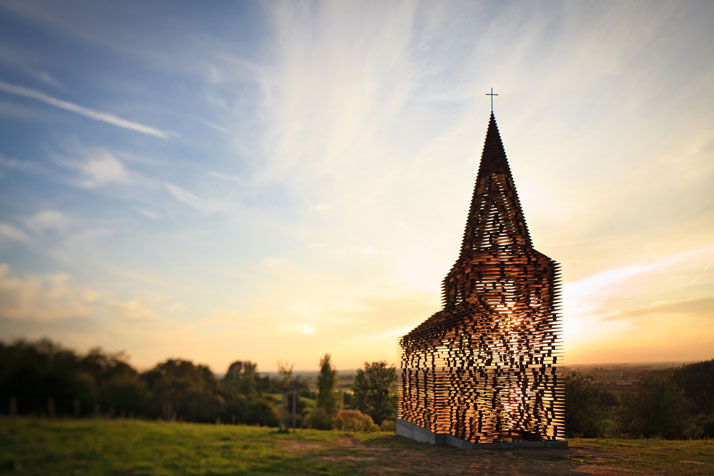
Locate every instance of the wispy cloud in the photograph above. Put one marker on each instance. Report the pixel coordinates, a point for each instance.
(19, 60)
(48, 220)
(212, 125)
(42, 297)
(149, 214)
(628, 305)
(224, 316)
(227, 177)
(81, 110)
(184, 196)
(194, 201)
(103, 168)
(700, 307)
(413, 233)
(9, 232)
(391, 334)
(95, 166)
(305, 329)
(587, 296)
(17, 164)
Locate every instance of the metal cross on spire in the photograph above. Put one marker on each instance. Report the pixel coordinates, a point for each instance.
(492, 95)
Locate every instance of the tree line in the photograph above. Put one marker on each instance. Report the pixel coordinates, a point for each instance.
(43, 378)
(675, 403)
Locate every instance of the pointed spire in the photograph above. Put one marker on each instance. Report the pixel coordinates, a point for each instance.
(495, 218)
(493, 158)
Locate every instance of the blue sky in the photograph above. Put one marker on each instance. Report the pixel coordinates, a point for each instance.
(272, 181)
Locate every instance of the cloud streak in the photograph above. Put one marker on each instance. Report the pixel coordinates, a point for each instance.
(81, 110)
(48, 220)
(194, 201)
(588, 295)
(11, 233)
(700, 307)
(42, 297)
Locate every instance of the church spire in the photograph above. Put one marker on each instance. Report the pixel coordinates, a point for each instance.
(495, 218)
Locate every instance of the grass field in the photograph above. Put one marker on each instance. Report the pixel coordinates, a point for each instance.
(133, 447)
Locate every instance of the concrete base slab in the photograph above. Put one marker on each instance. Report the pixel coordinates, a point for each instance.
(422, 435)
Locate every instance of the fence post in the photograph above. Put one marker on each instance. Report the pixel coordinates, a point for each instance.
(294, 407)
(282, 410)
(13, 406)
(51, 407)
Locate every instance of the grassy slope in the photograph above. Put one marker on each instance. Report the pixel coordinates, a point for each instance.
(35, 446)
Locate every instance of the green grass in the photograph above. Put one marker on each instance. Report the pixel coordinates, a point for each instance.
(652, 455)
(134, 447)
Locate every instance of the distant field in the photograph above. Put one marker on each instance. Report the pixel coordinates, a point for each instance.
(613, 376)
(133, 447)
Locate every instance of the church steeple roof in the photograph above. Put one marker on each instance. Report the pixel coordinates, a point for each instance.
(495, 218)
(493, 157)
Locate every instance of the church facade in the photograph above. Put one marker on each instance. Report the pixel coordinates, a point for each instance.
(482, 369)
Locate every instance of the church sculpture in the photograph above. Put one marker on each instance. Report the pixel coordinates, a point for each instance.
(482, 370)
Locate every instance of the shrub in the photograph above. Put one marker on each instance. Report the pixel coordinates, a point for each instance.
(354, 420)
(388, 425)
(319, 419)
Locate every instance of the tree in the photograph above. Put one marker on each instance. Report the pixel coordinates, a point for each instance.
(697, 381)
(291, 386)
(585, 413)
(327, 397)
(241, 377)
(261, 412)
(184, 390)
(375, 391)
(121, 390)
(285, 374)
(40, 372)
(656, 408)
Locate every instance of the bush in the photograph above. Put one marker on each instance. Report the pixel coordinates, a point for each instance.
(354, 420)
(388, 425)
(319, 419)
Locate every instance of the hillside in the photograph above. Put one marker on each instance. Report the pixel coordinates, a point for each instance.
(89, 447)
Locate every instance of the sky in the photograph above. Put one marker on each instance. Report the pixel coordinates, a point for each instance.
(272, 181)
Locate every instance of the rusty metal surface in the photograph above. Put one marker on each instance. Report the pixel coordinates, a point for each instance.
(483, 368)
